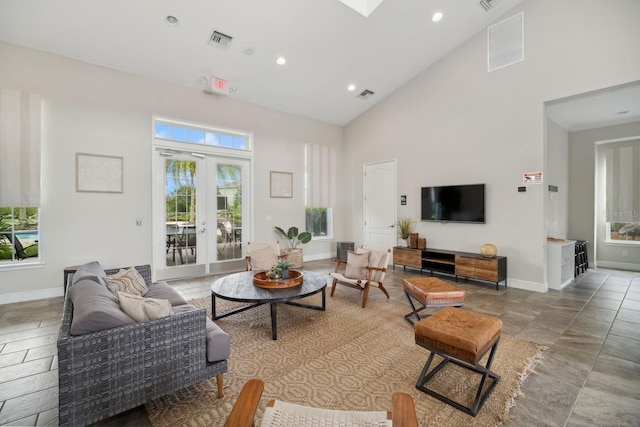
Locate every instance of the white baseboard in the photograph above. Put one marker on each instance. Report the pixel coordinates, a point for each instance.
(317, 257)
(31, 295)
(526, 285)
(618, 265)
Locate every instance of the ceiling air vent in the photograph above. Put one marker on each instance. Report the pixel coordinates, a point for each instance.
(220, 40)
(365, 94)
(488, 4)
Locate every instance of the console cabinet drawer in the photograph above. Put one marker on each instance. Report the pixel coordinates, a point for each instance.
(464, 270)
(407, 257)
(477, 268)
(486, 274)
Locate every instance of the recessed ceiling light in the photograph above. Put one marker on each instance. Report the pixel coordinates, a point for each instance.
(351, 88)
(281, 60)
(171, 20)
(248, 50)
(437, 16)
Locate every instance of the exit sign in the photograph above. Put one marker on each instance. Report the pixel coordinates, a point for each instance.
(219, 86)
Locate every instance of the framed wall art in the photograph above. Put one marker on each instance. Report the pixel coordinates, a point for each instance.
(281, 184)
(98, 174)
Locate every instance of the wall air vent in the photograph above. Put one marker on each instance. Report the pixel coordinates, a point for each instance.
(220, 40)
(365, 94)
(488, 4)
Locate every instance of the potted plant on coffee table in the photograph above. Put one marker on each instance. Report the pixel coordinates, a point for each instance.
(295, 238)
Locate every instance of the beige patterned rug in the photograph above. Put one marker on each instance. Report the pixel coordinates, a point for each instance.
(344, 358)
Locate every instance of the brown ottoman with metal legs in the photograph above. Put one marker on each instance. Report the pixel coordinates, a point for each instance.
(430, 292)
(463, 338)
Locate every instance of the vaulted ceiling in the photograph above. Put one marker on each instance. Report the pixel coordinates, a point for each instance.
(327, 45)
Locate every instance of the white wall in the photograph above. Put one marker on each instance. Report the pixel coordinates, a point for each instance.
(557, 174)
(95, 110)
(456, 123)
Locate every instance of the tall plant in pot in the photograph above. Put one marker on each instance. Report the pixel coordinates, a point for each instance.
(295, 238)
(405, 228)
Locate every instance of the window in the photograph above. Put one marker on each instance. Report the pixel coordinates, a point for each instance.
(319, 173)
(624, 232)
(188, 133)
(20, 125)
(622, 191)
(19, 234)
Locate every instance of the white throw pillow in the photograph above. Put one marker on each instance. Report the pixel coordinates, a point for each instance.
(357, 266)
(144, 309)
(129, 281)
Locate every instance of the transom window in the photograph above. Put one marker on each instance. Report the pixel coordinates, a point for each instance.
(188, 133)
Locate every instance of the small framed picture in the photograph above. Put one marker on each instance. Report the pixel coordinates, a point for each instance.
(98, 174)
(281, 184)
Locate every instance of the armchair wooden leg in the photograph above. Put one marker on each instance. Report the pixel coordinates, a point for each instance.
(365, 295)
(333, 286)
(220, 383)
(383, 290)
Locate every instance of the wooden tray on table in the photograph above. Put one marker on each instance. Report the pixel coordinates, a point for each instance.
(261, 280)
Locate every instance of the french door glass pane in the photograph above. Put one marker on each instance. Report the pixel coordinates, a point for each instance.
(229, 211)
(180, 200)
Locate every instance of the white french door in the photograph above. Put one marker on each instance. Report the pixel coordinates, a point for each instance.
(199, 213)
(380, 204)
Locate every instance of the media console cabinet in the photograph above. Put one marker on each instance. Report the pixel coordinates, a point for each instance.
(459, 264)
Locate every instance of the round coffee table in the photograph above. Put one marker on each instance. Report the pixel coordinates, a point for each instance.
(239, 287)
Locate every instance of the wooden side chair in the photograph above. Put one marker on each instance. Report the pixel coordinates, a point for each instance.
(283, 414)
(364, 268)
(262, 255)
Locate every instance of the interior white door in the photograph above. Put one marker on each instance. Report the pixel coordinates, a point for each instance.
(379, 204)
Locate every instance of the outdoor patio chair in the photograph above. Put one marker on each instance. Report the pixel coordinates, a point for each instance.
(283, 414)
(17, 245)
(364, 268)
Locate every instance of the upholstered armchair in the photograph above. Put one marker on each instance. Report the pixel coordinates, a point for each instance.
(262, 255)
(364, 268)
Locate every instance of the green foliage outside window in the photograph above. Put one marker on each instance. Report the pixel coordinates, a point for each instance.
(316, 221)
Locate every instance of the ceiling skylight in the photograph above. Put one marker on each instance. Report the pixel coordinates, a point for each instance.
(363, 7)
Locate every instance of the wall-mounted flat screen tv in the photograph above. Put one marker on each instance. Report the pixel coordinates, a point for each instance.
(454, 203)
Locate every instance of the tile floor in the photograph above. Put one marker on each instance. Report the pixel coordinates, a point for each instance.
(590, 375)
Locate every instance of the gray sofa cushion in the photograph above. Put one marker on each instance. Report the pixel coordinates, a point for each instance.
(162, 290)
(91, 270)
(95, 308)
(218, 341)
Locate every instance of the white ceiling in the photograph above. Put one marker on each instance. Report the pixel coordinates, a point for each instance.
(327, 44)
(606, 107)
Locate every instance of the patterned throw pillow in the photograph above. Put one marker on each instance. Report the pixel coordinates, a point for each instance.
(129, 281)
(357, 265)
(144, 309)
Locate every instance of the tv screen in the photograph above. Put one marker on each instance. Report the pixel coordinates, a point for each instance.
(453, 203)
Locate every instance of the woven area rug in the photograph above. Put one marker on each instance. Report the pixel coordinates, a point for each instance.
(343, 358)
